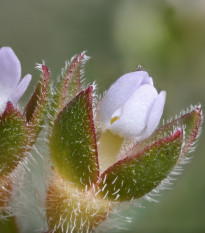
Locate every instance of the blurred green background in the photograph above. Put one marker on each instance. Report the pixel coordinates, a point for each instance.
(166, 37)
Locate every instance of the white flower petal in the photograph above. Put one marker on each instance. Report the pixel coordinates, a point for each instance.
(10, 73)
(120, 92)
(151, 81)
(131, 120)
(155, 114)
(21, 88)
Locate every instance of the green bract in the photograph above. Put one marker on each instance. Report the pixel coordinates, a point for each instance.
(37, 108)
(13, 139)
(73, 143)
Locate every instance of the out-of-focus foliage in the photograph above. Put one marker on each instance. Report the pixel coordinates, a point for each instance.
(165, 37)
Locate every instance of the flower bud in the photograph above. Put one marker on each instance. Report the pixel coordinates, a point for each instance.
(132, 107)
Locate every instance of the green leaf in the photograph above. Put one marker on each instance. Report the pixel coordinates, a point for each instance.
(69, 84)
(13, 139)
(73, 141)
(37, 107)
(190, 124)
(137, 175)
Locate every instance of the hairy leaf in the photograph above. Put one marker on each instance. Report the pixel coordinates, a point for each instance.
(73, 142)
(137, 175)
(13, 139)
(37, 107)
(69, 84)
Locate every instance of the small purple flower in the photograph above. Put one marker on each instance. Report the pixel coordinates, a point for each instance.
(132, 107)
(11, 88)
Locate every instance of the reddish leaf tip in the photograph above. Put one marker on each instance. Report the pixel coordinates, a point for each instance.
(9, 109)
(45, 70)
(89, 90)
(76, 60)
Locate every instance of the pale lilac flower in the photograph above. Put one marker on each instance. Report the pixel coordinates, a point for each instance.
(11, 87)
(132, 107)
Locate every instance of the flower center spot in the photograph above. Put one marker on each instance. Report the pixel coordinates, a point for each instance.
(115, 118)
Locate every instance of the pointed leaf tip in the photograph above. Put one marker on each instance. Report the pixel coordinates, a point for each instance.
(73, 141)
(138, 174)
(69, 84)
(192, 122)
(9, 108)
(37, 107)
(189, 123)
(46, 71)
(13, 139)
